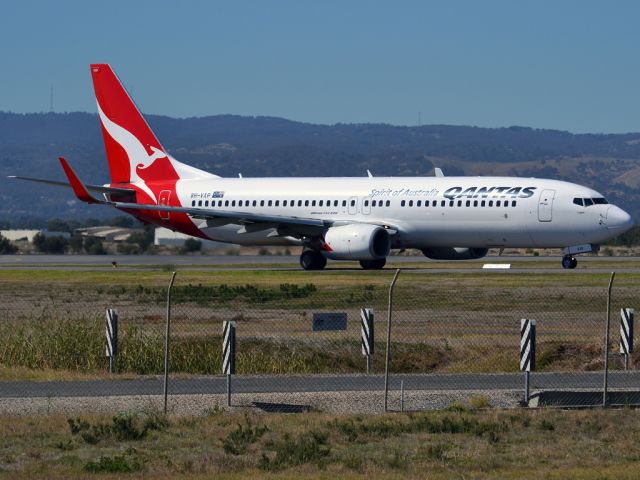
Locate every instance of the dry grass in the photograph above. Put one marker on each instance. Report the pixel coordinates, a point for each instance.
(460, 443)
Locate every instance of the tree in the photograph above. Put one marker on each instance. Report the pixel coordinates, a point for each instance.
(54, 244)
(94, 246)
(76, 243)
(6, 247)
(191, 245)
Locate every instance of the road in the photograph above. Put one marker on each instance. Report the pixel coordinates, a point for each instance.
(315, 383)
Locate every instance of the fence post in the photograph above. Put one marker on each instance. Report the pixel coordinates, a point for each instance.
(388, 355)
(626, 334)
(366, 323)
(606, 343)
(527, 352)
(112, 338)
(229, 353)
(166, 343)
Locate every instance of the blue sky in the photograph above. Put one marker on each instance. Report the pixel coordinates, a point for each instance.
(569, 65)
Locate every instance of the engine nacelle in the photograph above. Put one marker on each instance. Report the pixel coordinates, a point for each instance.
(358, 241)
(450, 253)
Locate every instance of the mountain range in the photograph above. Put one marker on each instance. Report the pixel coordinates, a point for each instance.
(266, 146)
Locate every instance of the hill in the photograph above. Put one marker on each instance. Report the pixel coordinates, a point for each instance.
(267, 146)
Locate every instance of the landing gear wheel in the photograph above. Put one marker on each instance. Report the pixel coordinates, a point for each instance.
(373, 264)
(312, 260)
(569, 262)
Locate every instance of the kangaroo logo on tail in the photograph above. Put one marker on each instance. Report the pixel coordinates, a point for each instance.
(138, 156)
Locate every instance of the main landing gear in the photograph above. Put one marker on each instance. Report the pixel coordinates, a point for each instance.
(373, 264)
(569, 261)
(312, 260)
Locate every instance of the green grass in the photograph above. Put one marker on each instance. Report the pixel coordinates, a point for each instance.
(454, 443)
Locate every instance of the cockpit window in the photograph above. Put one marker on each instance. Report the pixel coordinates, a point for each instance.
(587, 202)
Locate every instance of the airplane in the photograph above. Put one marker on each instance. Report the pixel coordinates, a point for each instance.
(337, 218)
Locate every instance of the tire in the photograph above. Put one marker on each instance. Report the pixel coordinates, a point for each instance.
(373, 264)
(569, 262)
(312, 260)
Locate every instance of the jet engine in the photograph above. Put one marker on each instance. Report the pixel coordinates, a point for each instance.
(449, 253)
(358, 241)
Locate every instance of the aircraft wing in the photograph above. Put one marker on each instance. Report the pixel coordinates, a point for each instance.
(247, 222)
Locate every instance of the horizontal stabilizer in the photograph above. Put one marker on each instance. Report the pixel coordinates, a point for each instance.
(91, 188)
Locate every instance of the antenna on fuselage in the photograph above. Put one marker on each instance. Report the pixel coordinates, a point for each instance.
(438, 172)
(239, 175)
(369, 174)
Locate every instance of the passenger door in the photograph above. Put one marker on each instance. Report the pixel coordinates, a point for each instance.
(545, 205)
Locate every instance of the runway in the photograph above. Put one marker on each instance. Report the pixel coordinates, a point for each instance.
(521, 264)
(315, 383)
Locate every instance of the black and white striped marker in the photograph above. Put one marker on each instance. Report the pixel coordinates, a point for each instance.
(111, 332)
(527, 345)
(527, 352)
(366, 324)
(229, 353)
(626, 334)
(229, 348)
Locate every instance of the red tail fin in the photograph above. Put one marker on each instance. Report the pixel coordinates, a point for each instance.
(129, 141)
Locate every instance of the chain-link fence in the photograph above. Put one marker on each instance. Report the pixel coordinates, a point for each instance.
(453, 337)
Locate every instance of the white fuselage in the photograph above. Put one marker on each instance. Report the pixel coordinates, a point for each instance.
(425, 211)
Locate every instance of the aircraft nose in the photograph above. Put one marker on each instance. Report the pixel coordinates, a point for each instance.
(618, 219)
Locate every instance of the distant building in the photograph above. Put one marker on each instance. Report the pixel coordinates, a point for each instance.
(15, 235)
(108, 233)
(164, 236)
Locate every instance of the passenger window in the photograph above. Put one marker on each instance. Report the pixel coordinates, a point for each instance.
(497, 203)
(193, 203)
(353, 203)
(277, 203)
(513, 204)
(306, 203)
(373, 203)
(255, 203)
(233, 203)
(226, 203)
(269, 203)
(475, 203)
(451, 202)
(388, 202)
(459, 203)
(262, 203)
(335, 203)
(468, 203)
(402, 203)
(482, 203)
(299, 203)
(411, 203)
(206, 203)
(506, 203)
(320, 203)
(434, 203)
(199, 203)
(442, 203)
(491, 203)
(284, 203)
(313, 203)
(419, 203)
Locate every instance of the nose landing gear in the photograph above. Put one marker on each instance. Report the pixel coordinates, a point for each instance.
(569, 262)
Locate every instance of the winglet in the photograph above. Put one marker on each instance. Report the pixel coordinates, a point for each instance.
(78, 187)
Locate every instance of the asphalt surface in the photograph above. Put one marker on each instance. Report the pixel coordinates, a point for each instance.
(315, 383)
(543, 264)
